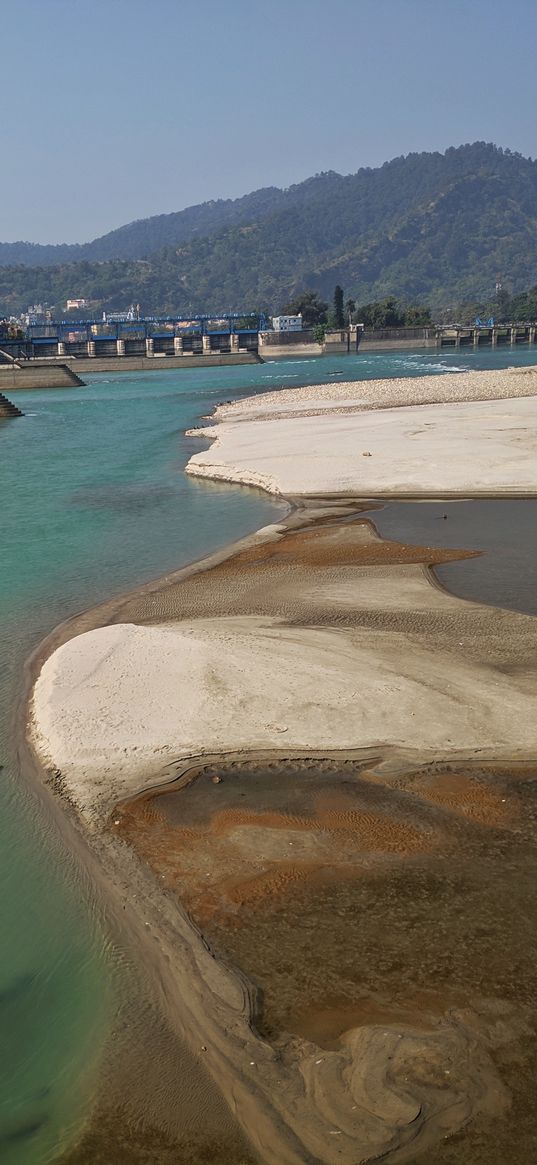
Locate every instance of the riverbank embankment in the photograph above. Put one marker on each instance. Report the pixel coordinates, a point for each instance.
(85, 364)
(31, 374)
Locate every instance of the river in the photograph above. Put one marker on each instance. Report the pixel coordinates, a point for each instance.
(94, 501)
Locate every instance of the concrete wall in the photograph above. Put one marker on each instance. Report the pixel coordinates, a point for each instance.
(393, 345)
(338, 343)
(33, 375)
(282, 351)
(84, 364)
(278, 345)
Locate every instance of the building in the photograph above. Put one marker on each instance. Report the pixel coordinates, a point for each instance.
(75, 304)
(287, 323)
(121, 317)
(38, 313)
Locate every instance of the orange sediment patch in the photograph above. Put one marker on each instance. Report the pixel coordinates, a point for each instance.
(341, 544)
(239, 856)
(469, 797)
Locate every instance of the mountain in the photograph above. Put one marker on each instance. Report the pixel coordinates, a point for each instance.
(139, 239)
(428, 227)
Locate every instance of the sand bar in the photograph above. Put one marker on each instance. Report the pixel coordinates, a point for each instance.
(397, 391)
(464, 448)
(120, 701)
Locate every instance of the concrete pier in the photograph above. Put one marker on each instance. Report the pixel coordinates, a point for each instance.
(7, 409)
(478, 336)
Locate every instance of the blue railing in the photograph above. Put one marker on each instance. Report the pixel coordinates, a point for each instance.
(150, 327)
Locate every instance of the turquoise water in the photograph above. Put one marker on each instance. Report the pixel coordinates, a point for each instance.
(94, 502)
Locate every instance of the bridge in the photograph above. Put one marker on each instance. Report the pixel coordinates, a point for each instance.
(151, 336)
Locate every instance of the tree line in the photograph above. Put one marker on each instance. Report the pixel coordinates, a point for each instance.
(504, 307)
(386, 313)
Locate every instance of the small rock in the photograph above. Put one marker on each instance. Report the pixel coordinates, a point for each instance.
(367, 454)
(216, 780)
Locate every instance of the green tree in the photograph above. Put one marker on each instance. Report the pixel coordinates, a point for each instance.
(339, 314)
(416, 316)
(391, 313)
(350, 308)
(524, 307)
(310, 306)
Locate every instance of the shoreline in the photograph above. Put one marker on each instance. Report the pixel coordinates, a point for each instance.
(265, 1115)
(424, 437)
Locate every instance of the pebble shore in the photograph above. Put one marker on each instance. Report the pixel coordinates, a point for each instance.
(496, 384)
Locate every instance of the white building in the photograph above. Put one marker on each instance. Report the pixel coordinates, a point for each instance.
(287, 323)
(38, 313)
(75, 304)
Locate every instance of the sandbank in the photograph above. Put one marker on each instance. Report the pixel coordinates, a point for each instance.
(465, 448)
(119, 701)
(444, 387)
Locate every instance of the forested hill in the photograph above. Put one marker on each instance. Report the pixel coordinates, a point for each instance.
(144, 237)
(430, 227)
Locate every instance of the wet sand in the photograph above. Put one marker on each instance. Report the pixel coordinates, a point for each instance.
(403, 905)
(269, 857)
(333, 902)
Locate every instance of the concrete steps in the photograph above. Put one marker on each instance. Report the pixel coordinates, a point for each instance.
(7, 409)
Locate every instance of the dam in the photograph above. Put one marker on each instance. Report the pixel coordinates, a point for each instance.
(232, 338)
(202, 335)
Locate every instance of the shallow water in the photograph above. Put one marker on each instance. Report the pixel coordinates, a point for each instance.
(94, 502)
(504, 530)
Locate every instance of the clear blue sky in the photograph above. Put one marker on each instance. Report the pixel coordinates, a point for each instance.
(117, 109)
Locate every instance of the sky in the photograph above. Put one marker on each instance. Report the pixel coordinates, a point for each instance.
(114, 110)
